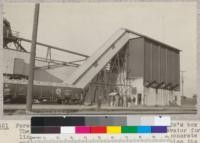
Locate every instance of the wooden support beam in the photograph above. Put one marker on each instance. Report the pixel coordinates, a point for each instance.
(55, 65)
(149, 84)
(160, 85)
(76, 61)
(53, 47)
(54, 61)
(167, 86)
(174, 87)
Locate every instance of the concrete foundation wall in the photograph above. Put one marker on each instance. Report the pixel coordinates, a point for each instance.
(149, 96)
(161, 97)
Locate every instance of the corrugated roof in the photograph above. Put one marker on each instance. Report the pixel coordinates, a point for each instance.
(157, 41)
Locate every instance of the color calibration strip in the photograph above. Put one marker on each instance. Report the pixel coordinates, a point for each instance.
(102, 121)
(98, 129)
(101, 125)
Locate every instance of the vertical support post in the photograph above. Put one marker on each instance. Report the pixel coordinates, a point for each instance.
(182, 83)
(136, 99)
(32, 60)
(48, 56)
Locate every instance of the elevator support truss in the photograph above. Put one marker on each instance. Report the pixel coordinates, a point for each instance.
(112, 77)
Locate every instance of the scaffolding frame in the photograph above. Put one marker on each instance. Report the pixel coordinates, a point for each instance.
(112, 76)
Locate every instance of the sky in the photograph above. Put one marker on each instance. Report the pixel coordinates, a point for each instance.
(84, 27)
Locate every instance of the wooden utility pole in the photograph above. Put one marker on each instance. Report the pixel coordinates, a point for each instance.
(29, 97)
(182, 82)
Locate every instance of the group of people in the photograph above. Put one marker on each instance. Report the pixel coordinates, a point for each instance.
(117, 100)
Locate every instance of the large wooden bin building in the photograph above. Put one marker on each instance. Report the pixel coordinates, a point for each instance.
(137, 66)
(157, 66)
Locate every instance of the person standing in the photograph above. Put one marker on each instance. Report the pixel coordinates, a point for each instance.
(125, 100)
(113, 98)
(59, 95)
(117, 100)
(129, 101)
(99, 101)
(120, 100)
